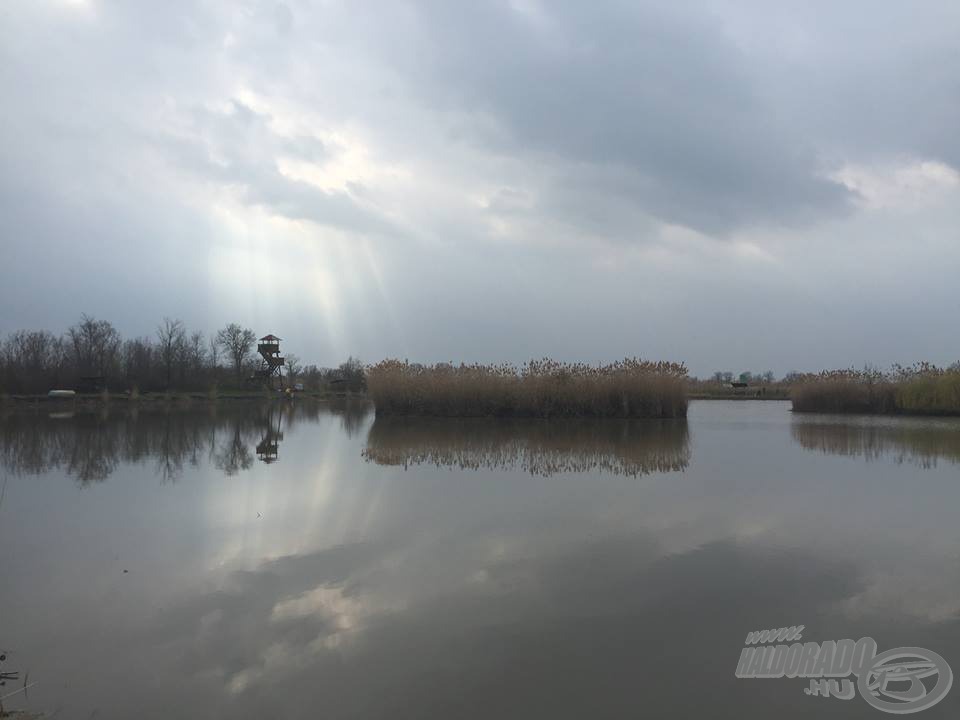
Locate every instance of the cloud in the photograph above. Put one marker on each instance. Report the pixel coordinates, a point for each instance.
(655, 102)
(237, 147)
(501, 179)
(903, 185)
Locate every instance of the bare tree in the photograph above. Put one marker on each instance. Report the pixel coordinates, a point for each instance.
(138, 361)
(36, 357)
(213, 352)
(293, 365)
(237, 344)
(33, 349)
(172, 338)
(196, 352)
(95, 345)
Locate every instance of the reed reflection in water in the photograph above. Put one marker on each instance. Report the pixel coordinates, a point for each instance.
(539, 447)
(919, 441)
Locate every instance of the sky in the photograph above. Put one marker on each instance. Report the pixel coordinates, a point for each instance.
(735, 185)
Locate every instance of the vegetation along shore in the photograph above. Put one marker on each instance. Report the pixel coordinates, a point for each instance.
(631, 388)
(920, 389)
(93, 361)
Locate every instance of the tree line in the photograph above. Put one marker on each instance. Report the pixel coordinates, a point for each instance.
(174, 358)
(754, 378)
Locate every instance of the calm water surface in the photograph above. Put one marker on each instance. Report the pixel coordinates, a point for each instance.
(310, 561)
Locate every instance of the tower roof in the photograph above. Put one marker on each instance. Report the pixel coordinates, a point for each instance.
(270, 338)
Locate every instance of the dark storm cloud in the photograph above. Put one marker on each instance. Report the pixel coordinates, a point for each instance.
(655, 102)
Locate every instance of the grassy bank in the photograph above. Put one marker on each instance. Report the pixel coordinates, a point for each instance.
(750, 393)
(921, 389)
(628, 389)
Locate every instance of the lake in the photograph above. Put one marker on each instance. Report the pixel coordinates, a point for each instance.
(306, 560)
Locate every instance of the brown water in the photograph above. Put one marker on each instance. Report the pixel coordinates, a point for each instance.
(312, 562)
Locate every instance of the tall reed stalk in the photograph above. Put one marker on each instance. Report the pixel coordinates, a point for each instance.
(920, 389)
(540, 388)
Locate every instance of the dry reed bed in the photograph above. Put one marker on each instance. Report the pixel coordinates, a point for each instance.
(920, 389)
(630, 388)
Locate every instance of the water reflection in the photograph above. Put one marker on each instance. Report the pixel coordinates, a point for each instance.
(332, 584)
(538, 447)
(90, 446)
(353, 413)
(918, 441)
(570, 632)
(268, 449)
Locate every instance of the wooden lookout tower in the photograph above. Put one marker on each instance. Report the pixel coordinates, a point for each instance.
(271, 364)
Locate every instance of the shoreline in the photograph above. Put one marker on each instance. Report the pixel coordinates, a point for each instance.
(764, 398)
(96, 401)
(10, 402)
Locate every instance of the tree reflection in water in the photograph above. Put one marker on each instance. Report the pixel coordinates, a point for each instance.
(90, 446)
